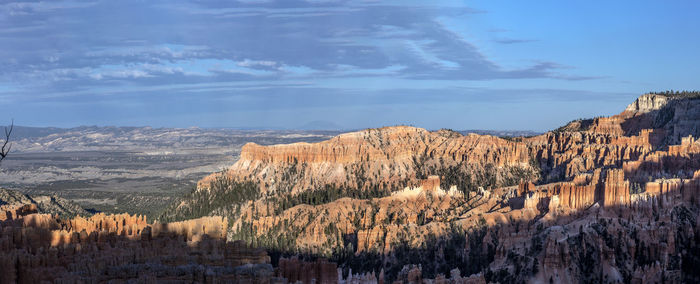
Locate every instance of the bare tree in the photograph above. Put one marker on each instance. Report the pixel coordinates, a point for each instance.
(6, 146)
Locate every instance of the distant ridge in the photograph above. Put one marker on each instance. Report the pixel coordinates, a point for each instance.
(502, 133)
(44, 203)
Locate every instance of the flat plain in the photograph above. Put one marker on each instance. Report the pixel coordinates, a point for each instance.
(127, 169)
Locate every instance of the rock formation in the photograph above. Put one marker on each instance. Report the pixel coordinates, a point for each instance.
(41, 247)
(362, 159)
(598, 200)
(41, 204)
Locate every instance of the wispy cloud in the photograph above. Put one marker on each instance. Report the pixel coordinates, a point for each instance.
(513, 40)
(82, 51)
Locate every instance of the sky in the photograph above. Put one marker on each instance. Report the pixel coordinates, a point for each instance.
(501, 65)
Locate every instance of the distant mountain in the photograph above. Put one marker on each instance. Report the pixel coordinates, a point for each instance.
(502, 133)
(112, 138)
(20, 132)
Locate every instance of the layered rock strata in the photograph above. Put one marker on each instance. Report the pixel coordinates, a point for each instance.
(390, 156)
(606, 199)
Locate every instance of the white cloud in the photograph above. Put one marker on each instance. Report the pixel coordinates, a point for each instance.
(255, 63)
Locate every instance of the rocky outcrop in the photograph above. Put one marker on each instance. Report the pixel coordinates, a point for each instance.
(43, 204)
(609, 188)
(647, 103)
(391, 159)
(615, 190)
(576, 196)
(599, 200)
(392, 156)
(524, 188)
(103, 248)
(10, 212)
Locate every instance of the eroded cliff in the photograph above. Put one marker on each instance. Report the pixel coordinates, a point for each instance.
(606, 199)
(39, 248)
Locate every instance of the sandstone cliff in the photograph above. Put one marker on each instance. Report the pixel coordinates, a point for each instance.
(395, 157)
(392, 157)
(606, 199)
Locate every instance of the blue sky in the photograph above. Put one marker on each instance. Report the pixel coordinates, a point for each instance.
(529, 65)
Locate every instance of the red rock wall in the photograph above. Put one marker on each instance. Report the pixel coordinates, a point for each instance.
(386, 155)
(616, 191)
(576, 196)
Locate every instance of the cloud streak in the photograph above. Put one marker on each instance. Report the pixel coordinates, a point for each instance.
(71, 37)
(276, 51)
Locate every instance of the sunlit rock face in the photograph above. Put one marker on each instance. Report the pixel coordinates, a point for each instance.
(610, 199)
(647, 103)
(390, 156)
(399, 156)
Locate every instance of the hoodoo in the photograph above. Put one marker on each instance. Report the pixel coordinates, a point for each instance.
(609, 183)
